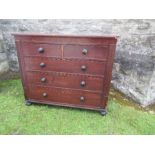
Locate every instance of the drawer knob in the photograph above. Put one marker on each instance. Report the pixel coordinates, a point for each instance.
(84, 51)
(43, 79)
(45, 94)
(83, 83)
(42, 64)
(40, 50)
(82, 98)
(83, 67)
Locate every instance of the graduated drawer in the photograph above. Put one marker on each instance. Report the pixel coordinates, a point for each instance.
(66, 80)
(64, 95)
(59, 65)
(86, 51)
(38, 49)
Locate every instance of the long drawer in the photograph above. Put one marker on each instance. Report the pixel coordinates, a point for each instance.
(70, 66)
(65, 80)
(65, 95)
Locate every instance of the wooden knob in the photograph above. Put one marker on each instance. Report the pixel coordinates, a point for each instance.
(45, 94)
(82, 83)
(84, 51)
(40, 50)
(83, 67)
(43, 79)
(42, 64)
(82, 98)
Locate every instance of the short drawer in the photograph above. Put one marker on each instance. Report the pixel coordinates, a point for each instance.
(86, 51)
(59, 65)
(64, 95)
(36, 49)
(65, 80)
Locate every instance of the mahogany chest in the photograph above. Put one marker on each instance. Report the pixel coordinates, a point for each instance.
(72, 71)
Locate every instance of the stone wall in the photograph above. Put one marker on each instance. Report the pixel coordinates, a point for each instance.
(133, 70)
(4, 66)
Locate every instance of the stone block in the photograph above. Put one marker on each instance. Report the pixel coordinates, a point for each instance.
(4, 67)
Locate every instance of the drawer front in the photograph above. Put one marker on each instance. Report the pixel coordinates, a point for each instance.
(64, 95)
(66, 80)
(86, 51)
(32, 49)
(71, 66)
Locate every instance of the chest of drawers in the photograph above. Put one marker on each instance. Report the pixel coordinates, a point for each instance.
(72, 71)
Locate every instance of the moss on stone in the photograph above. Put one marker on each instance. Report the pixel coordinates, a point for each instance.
(120, 98)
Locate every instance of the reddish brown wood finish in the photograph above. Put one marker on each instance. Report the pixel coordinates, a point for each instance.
(69, 65)
(51, 71)
(66, 95)
(30, 49)
(93, 52)
(65, 80)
